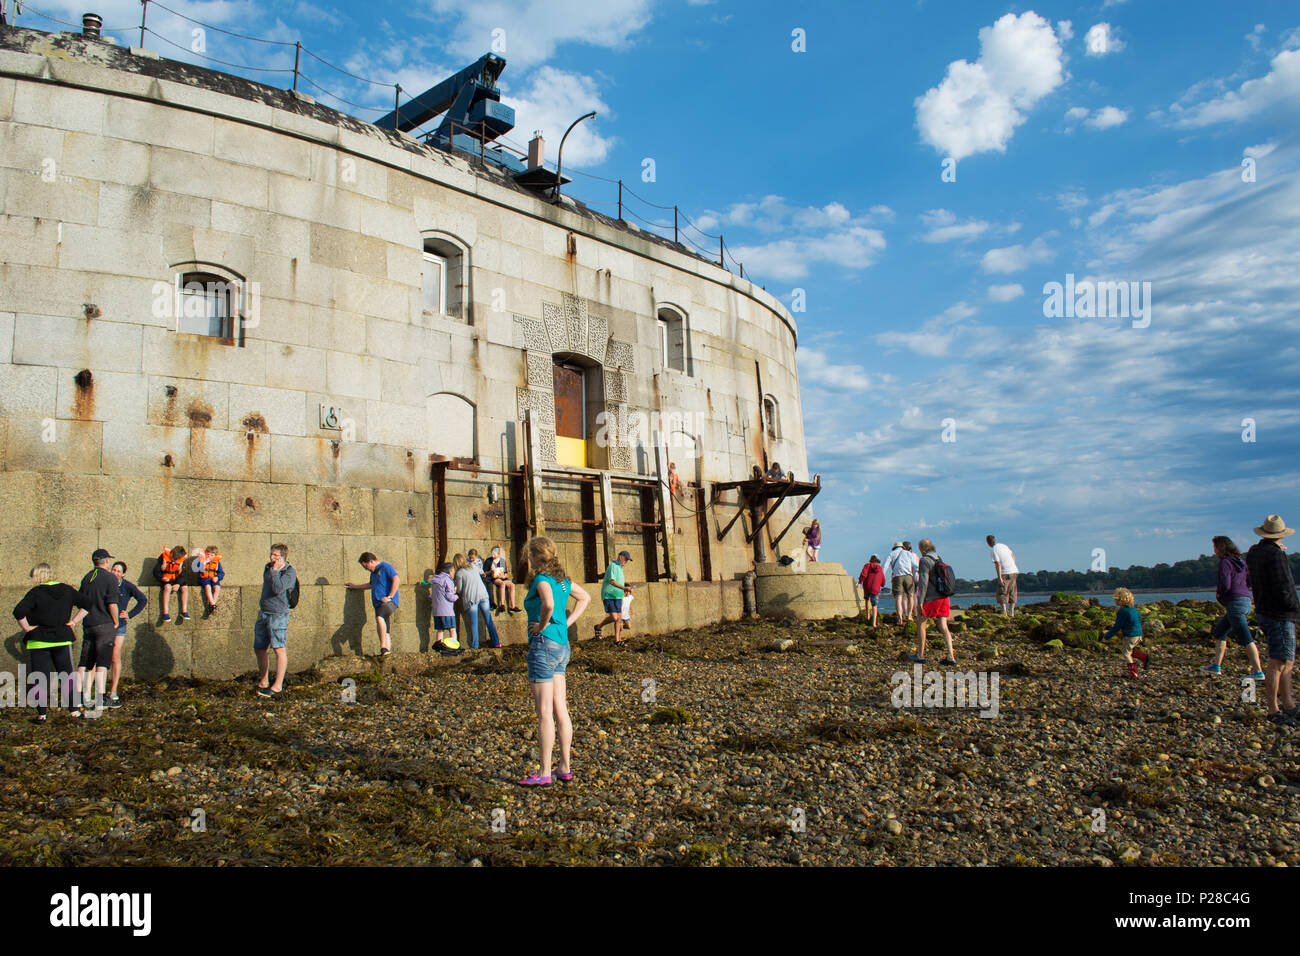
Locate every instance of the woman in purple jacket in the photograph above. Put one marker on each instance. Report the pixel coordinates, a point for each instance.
(1233, 593)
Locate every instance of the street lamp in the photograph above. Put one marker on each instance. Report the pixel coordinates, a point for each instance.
(559, 158)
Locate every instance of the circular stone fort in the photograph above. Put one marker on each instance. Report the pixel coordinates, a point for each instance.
(231, 315)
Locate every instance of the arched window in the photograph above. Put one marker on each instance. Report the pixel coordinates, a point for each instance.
(450, 424)
(771, 417)
(211, 300)
(445, 276)
(672, 340)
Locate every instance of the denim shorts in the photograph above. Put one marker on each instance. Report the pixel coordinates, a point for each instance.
(1234, 621)
(1280, 636)
(613, 605)
(270, 630)
(447, 623)
(546, 658)
(872, 600)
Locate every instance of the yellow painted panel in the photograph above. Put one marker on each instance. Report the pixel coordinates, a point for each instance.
(570, 451)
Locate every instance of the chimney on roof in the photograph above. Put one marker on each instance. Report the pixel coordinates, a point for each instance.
(90, 24)
(536, 151)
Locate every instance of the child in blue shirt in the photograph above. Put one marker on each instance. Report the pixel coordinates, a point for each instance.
(1128, 623)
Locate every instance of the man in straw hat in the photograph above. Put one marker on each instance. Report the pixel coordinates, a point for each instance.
(1276, 609)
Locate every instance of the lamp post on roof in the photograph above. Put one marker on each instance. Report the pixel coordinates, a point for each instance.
(559, 157)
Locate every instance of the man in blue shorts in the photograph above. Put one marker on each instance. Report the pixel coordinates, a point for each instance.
(1276, 609)
(272, 627)
(612, 590)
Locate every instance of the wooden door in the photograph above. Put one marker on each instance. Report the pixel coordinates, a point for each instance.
(570, 416)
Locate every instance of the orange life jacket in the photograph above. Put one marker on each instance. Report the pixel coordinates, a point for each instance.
(210, 566)
(172, 568)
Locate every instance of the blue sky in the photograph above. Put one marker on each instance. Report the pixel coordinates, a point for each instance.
(1104, 141)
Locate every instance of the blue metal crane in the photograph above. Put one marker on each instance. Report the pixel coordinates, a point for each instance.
(472, 116)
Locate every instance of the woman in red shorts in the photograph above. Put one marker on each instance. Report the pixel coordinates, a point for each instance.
(937, 608)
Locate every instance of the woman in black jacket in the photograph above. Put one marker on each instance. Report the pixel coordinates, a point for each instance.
(47, 614)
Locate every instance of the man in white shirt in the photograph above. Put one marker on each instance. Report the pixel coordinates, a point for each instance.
(1004, 562)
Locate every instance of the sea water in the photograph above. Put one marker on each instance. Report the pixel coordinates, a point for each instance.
(1105, 597)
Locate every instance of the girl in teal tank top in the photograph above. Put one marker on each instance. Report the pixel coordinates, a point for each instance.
(549, 620)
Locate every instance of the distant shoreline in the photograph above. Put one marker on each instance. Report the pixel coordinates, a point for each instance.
(1093, 593)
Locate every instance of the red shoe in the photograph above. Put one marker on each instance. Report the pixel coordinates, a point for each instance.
(1132, 671)
(1144, 658)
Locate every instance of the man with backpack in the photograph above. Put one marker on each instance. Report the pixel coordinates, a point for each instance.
(935, 585)
(279, 596)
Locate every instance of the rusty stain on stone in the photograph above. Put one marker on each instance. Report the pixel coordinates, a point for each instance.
(200, 414)
(255, 422)
(83, 403)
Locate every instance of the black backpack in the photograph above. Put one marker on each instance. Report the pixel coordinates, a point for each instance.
(942, 580)
(293, 593)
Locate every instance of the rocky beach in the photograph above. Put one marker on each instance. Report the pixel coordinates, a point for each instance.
(757, 742)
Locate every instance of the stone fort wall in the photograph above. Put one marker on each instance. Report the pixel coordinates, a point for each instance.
(119, 171)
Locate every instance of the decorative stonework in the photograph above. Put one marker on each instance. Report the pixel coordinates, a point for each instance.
(575, 319)
(597, 337)
(540, 370)
(615, 387)
(619, 355)
(541, 403)
(556, 328)
(620, 459)
(546, 443)
(531, 334)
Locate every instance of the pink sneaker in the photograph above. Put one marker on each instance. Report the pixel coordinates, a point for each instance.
(534, 780)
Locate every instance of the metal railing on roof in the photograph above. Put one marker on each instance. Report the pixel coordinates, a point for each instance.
(685, 232)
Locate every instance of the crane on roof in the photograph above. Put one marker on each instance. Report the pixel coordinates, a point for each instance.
(473, 116)
(469, 99)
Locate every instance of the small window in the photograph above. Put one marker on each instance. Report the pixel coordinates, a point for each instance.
(209, 304)
(672, 340)
(771, 417)
(435, 284)
(445, 279)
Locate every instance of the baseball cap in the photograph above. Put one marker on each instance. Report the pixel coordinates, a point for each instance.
(624, 556)
(99, 555)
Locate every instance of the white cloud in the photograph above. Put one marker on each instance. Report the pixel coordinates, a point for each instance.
(1071, 200)
(1279, 89)
(1017, 257)
(854, 248)
(1076, 113)
(1100, 40)
(553, 100)
(1005, 293)
(944, 227)
(1106, 117)
(809, 235)
(816, 371)
(535, 28)
(1255, 37)
(1065, 30)
(977, 106)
